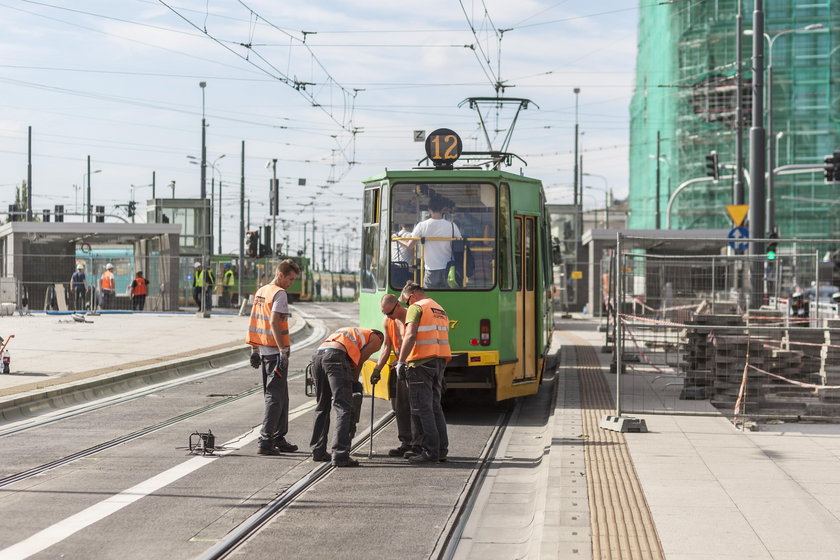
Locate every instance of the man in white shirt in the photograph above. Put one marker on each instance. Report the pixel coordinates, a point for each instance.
(436, 254)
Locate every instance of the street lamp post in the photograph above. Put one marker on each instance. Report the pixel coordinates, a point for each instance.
(86, 176)
(771, 148)
(275, 203)
(606, 197)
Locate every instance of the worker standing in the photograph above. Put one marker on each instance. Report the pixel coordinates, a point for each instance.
(203, 281)
(139, 289)
(335, 368)
(422, 359)
(268, 334)
(78, 288)
(228, 285)
(393, 325)
(107, 287)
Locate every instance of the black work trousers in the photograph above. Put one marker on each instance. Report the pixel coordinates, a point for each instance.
(425, 387)
(332, 372)
(276, 392)
(401, 405)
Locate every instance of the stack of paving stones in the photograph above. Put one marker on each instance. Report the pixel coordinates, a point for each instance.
(730, 356)
(830, 361)
(698, 364)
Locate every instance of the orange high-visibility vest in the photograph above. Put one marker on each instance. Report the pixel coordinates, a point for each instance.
(140, 288)
(259, 327)
(432, 333)
(107, 280)
(394, 336)
(353, 339)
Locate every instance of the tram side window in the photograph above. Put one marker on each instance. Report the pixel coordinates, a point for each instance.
(436, 227)
(370, 265)
(504, 238)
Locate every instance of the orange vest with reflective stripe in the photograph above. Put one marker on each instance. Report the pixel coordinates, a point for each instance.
(432, 333)
(353, 339)
(107, 280)
(259, 327)
(394, 336)
(140, 288)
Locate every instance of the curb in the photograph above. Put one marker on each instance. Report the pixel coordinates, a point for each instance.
(38, 401)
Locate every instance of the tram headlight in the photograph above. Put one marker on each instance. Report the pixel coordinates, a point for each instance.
(484, 332)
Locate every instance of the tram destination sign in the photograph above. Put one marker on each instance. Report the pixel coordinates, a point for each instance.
(443, 148)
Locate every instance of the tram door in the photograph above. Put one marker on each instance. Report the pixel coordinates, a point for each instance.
(524, 253)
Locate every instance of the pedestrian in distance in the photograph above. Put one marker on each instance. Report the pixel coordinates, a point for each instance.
(203, 281)
(393, 325)
(437, 253)
(336, 365)
(139, 289)
(78, 288)
(228, 285)
(422, 359)
(107, 288)
(268, 334)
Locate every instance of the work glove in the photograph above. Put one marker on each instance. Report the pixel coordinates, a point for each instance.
(400, 368)
(255, 359)
(282, 365)
(375, 376)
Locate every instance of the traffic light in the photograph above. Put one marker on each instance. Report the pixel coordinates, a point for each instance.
(837, 166)
(772, 245)
(100, 214)
(712, 166)
(132, 208)
(830, 168)
(59, 212)
(252, 243)
(835, 258)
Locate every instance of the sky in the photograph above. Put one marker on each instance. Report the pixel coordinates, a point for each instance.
(331, 89)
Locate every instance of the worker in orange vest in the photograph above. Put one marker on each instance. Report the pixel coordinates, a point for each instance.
(268, 335)
(139, 289)
(107, 287)
(335, 367)
(422, 360)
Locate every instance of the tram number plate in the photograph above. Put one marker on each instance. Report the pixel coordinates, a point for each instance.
(443, 147)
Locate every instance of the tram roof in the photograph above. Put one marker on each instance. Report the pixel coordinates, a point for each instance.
(432, 175)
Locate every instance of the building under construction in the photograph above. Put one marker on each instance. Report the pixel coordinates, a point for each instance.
(685, 107)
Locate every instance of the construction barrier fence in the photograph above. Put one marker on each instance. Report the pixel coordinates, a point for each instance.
(747, 336)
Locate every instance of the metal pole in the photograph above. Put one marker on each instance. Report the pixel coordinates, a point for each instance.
(738, 185)
(88, 190)
(153, 185)
(29, 179)
(220, 215)
(275, 189)
(241, 225)
(619, 347)
(758, 152)
(713, 285)
(816, 286)
(656, 218)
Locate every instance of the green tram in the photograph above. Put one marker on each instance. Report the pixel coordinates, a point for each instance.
(499, 302)
(259, 271)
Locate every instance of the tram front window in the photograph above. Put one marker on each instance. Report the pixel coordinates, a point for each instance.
(443, 235)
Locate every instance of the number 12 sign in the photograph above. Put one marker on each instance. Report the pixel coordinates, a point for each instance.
(443, 147)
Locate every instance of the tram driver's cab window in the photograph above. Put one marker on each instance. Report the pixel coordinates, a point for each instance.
(443, 235)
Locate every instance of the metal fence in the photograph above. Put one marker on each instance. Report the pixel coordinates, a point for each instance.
(746, 336)
(42, 283)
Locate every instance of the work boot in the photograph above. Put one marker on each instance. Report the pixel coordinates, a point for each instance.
(412, 452)
(321, 457)
(399, 451)
(284, 446)
(268, 451)
(442, 456)
(345, 462)
(422, 459)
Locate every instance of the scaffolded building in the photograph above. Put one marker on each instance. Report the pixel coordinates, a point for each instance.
(685, 101)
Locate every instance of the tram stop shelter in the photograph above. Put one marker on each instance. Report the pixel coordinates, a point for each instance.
(596, 243)
(35, 257)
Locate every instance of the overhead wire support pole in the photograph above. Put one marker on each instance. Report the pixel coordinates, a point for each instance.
(758, 154)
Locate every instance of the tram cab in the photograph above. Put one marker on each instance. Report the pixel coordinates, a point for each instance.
(483, 254)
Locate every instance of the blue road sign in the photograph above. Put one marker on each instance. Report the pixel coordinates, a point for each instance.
(735, 234)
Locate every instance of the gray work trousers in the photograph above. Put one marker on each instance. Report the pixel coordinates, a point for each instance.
(401, 405)
(425, 385)
(333, 376)
(276, 392)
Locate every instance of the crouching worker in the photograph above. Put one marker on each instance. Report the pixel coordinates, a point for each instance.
(335, 368)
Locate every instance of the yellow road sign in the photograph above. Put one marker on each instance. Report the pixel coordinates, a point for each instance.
(738, 212)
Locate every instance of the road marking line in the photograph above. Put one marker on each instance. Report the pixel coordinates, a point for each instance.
(75, 523)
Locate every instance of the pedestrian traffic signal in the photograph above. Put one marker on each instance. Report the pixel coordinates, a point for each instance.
(712, 166)
(100, 214)
(772, 246)
(132, 208)
(830, 168)
(59, 212)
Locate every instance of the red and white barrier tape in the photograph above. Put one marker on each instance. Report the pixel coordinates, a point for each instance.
(794, 382)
